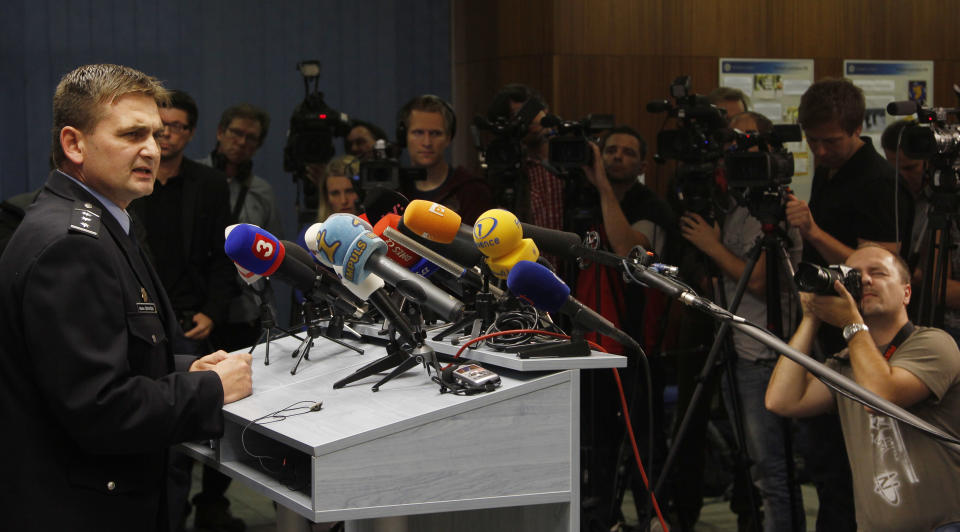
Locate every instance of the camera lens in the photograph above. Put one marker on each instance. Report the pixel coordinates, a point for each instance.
(815, 279)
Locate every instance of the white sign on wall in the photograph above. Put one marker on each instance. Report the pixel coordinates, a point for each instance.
(774, 87)
(883, 82)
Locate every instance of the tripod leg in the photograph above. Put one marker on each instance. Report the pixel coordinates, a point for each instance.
(343, 344)
(672, 455)
(402, 367)
(793, 489)
(269, 339)
(304, 349)
(459, 324)
(394, 358)
(263, 334)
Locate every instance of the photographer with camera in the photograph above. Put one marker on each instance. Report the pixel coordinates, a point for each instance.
(903, 480)
(426, 126)
(766, 434)
(627, 214)
(630, 215)
(540, 201)
(360, 140)
(851, 201)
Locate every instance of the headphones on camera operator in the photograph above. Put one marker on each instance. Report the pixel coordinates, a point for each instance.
(403, 117)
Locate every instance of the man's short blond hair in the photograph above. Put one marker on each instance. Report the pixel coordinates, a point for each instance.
(901, 264)
(81, 95)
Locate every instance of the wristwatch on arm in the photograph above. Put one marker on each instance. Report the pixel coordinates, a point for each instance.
(853, 329)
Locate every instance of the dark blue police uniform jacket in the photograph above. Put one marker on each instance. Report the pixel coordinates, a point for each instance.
(89, 393)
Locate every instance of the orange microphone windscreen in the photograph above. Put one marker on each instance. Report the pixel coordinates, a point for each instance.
(431, 221)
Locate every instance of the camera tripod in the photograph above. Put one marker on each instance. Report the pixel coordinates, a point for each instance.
(939, 239)
(721, 355)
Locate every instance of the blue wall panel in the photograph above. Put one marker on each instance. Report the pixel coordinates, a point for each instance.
(375, 54)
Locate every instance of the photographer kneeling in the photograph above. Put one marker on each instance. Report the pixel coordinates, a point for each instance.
(902, 479)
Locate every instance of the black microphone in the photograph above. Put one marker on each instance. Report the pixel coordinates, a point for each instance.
(903, 108)
(315, 282)
(567, 245)
(658, 106)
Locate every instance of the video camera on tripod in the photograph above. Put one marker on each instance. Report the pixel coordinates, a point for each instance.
(934, 140)
(702, 127)
(771, 165)
(313, 125)
(937, 142)
(697, 144)
(758, 169)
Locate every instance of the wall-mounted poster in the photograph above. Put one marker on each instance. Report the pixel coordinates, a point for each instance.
(883, 82)
(774, 87)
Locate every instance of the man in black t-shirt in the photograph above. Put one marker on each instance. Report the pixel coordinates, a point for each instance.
(851, 201)
(184, 220)
(852, 198)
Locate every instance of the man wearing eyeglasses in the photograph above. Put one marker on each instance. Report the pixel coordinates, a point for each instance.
(240, 134)
(183, 221)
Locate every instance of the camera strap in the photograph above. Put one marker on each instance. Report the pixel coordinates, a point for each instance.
(241, 197)
(901, 337)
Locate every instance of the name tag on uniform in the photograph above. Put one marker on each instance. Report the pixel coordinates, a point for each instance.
(147, 308)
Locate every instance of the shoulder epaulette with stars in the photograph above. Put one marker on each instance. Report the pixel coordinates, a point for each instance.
(85, 219)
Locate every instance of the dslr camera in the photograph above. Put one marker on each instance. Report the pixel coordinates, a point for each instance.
(819, 279)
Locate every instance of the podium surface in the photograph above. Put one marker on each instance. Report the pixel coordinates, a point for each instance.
(406, 449)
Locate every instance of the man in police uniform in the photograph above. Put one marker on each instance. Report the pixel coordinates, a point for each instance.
(88, 382)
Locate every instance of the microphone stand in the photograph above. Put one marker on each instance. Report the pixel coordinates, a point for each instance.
(640, 274)
(312, 320)
(479, 318)
(399, 358)
(267, 322)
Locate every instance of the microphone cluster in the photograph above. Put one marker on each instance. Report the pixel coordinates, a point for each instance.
(404, 251)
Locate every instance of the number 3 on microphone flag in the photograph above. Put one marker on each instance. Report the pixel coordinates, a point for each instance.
(263, 247)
